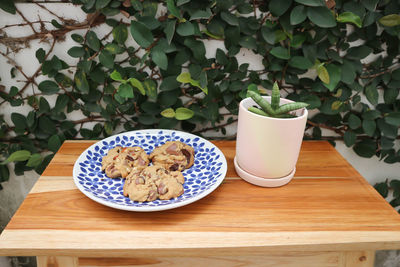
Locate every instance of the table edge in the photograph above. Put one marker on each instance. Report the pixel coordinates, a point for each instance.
(122, 243)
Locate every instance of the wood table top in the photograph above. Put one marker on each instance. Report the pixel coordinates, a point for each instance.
(327, 206)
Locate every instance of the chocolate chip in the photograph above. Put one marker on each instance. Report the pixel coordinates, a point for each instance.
(174, 167)
(152, 195)
(186, 154)
(129, 158)
(162, 189)
(139, 180)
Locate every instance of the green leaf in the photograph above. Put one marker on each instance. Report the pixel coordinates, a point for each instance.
(280, 52)
(184, 77)
(56, 24)
(278, 7)
(173, 9)
(48, 87)
(393, 118)
(168, 113)
(390, 20)
(150, 87)
(120, 34)
(335, 73)
(114, 48)
(13, 91)
(369, 127)
(54, 143)
(136, 83)
(125, 90)
(61, 103)
(321, 16)
(349, 17)
(311, 2)
(19, 120)
(141, 34)
(169, 30)
(76, 51)
(106, 59)
(370, 4)
(183, 114)
(81, 82)
(336, 105)
(382, 189)
(230, 18)
(358, 52)
(300, 63)
(349, 138)
(92, 41)
(201, 14)
(298, 15)
(323, 74)
(116, 76)
(8, 6)
(348, 72)
(20, 155)
(77, 38)
(354, 121)
(185, 29)
(372, 94)
(44, 106)
(40, 55)
(390, 95)
(102, 3)
(248, 42)
(371, 115)
(34, 160)
(365, 148)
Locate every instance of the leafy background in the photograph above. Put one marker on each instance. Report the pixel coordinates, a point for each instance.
(151, 70)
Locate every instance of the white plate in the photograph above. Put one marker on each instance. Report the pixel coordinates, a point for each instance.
(206, 174)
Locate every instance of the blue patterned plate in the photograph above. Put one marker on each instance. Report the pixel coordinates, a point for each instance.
(206, 174)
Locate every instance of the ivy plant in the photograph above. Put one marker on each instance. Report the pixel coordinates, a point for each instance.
(151, 70)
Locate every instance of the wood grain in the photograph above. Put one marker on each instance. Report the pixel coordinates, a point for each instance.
(117, 243)
(327, 206)
(60, 261)
(286, 259)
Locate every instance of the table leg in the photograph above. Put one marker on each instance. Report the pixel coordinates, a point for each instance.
(56, 261)
(359, 258)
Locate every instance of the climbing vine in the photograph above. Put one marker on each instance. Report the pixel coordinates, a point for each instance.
(152, 69)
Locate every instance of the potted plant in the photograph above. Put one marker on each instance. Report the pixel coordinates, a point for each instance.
(269, 136)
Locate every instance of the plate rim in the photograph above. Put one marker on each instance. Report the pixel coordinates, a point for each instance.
(150, 208)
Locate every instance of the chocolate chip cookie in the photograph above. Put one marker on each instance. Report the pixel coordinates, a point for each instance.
(173, 156)
(120, 161)
(153, 182)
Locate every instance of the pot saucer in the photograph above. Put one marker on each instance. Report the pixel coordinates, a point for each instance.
(260, 181)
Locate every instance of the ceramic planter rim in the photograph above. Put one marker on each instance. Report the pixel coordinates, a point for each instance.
(305, 111)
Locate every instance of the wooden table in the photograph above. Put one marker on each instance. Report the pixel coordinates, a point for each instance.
(328, 215)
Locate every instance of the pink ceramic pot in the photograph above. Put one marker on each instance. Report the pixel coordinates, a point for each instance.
(268, 147)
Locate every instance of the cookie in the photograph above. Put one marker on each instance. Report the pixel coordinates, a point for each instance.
(173, 156)
(120, 161)
(153, 182)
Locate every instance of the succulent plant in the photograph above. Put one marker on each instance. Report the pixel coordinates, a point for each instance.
(273, 109)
